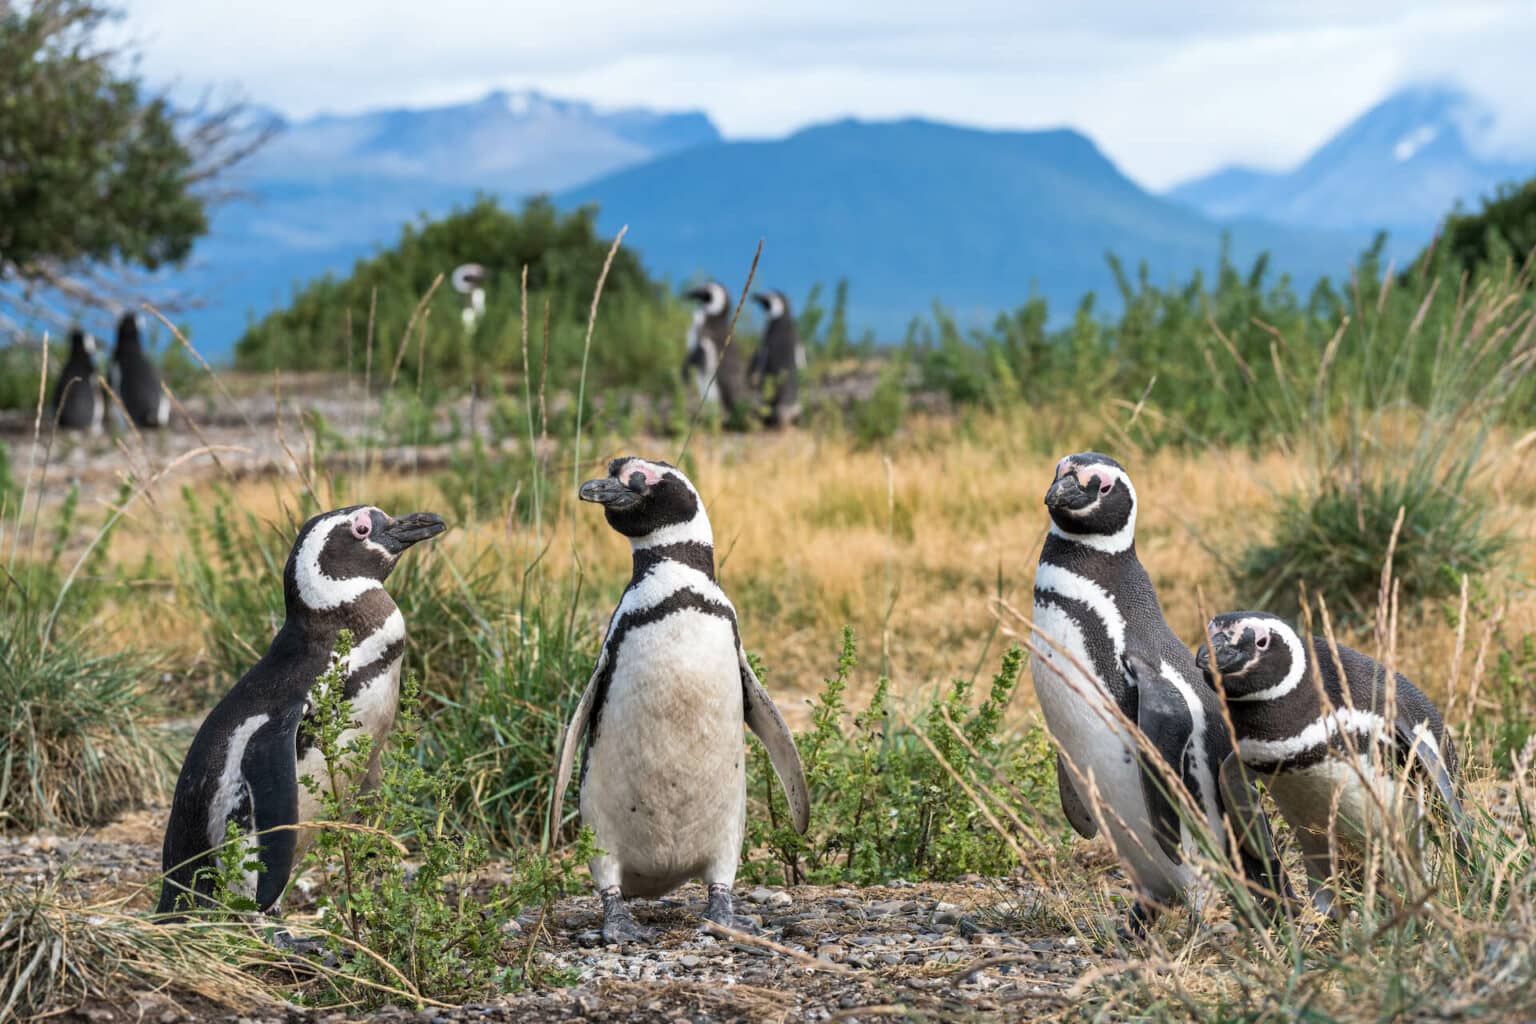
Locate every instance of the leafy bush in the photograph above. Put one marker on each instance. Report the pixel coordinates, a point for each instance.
(1504, 230)
(885, 803)
(878, 417)
(326, 325)
(429, 929)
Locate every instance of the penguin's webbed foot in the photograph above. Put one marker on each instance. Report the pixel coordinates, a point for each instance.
(619, 924)
(1137, 920)
(721, 910)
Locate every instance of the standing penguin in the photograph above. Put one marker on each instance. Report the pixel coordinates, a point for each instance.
(1097, 607)
(714, 365)
(779, 359)
(1321, 742)
(246, 761)
(135, 378)
(77, 401)
(663, 778)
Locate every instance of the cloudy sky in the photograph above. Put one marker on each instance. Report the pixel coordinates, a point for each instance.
(1169, 88)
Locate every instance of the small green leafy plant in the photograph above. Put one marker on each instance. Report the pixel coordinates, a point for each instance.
(885, 793)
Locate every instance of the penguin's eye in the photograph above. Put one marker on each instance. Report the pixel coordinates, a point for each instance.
(637, 482)
(362, 526)
(1262, 643)
(1106, 487)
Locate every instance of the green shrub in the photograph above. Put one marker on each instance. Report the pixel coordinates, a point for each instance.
(430, 931)
(75, 746)
(884, 804)
(877, 418)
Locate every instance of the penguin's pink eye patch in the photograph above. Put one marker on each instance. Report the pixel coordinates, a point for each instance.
(647, 474)
(362, 524)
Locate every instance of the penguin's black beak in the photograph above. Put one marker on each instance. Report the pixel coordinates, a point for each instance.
(697, 295)
(1227, 657)
(411, 529)
(761, 300)
(1067, 493)
(610, 493)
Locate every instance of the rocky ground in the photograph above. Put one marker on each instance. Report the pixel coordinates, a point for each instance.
(975, 950)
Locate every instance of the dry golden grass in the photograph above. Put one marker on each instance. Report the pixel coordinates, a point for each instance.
(910, 547)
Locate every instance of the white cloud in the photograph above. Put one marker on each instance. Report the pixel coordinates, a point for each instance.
(1168, 90)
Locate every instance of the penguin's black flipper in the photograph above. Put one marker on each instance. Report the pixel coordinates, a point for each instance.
(1255, 844)
(768, 725)
(274, 804)
(574, 731)
(1163, 718)
(1417, 743)
(1077, 812)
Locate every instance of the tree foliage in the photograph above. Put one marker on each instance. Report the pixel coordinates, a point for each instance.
(1504, 229)
(326, 327)
(96, 174)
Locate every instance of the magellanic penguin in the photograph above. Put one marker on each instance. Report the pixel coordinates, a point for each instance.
(1331, 739)
(78, 403)
(663, 778)
(716, 367)
(135, 378)
(779, 359)
(247, 760)
(1098, 610)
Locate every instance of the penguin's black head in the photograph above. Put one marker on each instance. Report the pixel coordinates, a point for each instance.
(81, 345)
(1091, 500)
(1253, 652)
(775, 304)
(712, 296)
(341, 554)
(127, 335)
(642, 498)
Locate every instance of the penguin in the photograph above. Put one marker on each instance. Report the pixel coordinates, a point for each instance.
(77, 400)
(779, 359)
(1096, 606)
(715, 367)
(135, 378)
(663, 775)
(1312, 724)
(248, 757)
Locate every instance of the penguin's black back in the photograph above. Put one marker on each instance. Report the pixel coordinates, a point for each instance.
(75, 398)
(1285, 717)
(277, 685)
(138, 382)
(730, 377)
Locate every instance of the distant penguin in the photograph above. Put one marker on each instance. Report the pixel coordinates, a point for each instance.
(1097, 606)
(469, 281)
(716, 367)
(246, 761)
(663, 778)
(135, 378)
(1315, 751)
(779, 359)
(78, 402)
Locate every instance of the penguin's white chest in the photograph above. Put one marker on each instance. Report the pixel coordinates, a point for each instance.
(1082, 718)
(1347, 796)
(665, 784)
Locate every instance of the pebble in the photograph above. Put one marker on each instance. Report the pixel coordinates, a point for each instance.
(690, 961)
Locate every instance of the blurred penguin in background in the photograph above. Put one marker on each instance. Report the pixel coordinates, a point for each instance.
(780, 358)
(78, 403)
(135, 378)
(714, 367)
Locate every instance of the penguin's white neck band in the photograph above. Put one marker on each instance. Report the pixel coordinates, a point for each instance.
(694, 531)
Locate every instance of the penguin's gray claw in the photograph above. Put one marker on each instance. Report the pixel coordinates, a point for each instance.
(735, 922)
(620, 926)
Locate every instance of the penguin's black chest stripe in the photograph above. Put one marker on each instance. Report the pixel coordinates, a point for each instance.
(693, 554)
(1101, 648)
(685, 599)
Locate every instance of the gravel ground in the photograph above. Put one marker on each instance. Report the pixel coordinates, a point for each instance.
(964, 951)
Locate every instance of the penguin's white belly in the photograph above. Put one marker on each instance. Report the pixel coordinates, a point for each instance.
(1084, 722)
(665, 784)
(1307, 796)
(373, 710)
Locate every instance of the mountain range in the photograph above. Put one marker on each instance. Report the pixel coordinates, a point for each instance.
(1400, 166)
(909, 211)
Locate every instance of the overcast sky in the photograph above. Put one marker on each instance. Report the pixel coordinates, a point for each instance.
(1168, 88)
